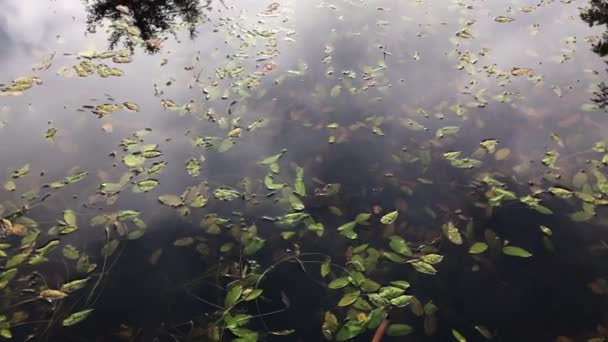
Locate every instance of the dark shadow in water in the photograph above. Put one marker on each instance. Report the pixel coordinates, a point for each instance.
(151, 17)
(597, 14)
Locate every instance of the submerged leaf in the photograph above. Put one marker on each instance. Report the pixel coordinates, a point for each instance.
(76, 317)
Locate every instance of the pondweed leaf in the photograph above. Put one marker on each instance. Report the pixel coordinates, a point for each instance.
(516, 252)
(399, 330)
(76, 317)
(390, 217)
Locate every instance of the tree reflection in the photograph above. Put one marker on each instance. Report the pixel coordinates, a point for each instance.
(597, 14)
(143, 21)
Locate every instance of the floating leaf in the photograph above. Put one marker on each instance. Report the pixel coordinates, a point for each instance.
(234, 293)
(516, 252)
(401, 301)
(225, 194)
(400, 246)
(452, 233)
(171, 200)
(432, 258)
(478, 247)
(502, 154)
(521, 71)
(503, 19)
(390, 217)
(52, 295)
(10, 185)
(145, 185)
(271, 160)
(132, 160)
(186, 241)
(193, 167)
(448, 130)
(339, 283)
(70, 252)
(399, 330)
(24, 170)
(330, 325)
(134, 107)
(74, 285)
(349, 298)
(458, 336)
(424, 267)
(7, 276)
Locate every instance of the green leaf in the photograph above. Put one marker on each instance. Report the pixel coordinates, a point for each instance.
(458, 336)
(325, 269)
(432, 258)
(234, 293)
(378, 300)
(253, 294)
(193, 167)
(145, 185)
(300, 188)
(253, 246)
(10, 185)
(7, 276)
(349, 330)
(516, 252)
(330, 325)
(485, 332)
(70, 217)
(546, 230)
(362, 218)
(478, 247)
(452, 233)
(401, 301)
(399, 330)
(400, 246)
(389, 218)
(402, 284)
(171, 200)
(271, 160)
(375, 317)
(424, 267)
(349, 298)
(502, 154)
(6, 333)
(16, 259)
(132, 160)
(24, 170)
(124, 215)
(440, 133)
(70, 252)
(282, 332)
(394, 257)
(561, 192)
(225, 194)
(369, 285)
(339, 283)
(186, 241)
(390, 292)
(77, 317)
(74, 285)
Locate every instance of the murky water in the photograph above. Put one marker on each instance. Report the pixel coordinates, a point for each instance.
(303, 171)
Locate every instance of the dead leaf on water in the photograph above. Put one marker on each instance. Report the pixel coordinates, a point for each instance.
(521, 71)
(502, 19)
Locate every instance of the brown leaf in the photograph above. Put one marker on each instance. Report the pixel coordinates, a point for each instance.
(521, 71)
(51, 295)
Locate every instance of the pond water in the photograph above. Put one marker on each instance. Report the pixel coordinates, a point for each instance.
(220, 170)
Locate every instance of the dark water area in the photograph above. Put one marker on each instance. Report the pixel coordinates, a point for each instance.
(184, 170)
